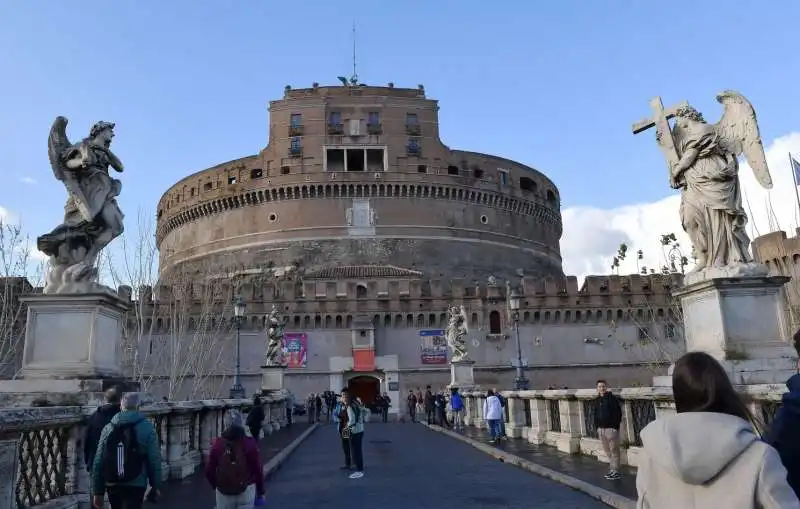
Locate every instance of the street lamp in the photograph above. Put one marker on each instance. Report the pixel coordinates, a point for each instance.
(520, 382)
(239, 308)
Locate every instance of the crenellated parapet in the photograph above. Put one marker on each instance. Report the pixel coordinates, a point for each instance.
(396, 298)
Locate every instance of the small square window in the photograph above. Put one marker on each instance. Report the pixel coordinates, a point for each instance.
(208, 186)
(285, 170)
(256, 173)
(452, 170)
(296, 120)
(374, 118)
(411, 119)
(477, 173)
(421, 168)
(231, 179)
(335, 118)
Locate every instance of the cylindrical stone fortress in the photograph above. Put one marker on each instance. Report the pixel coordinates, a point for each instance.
(355, 176)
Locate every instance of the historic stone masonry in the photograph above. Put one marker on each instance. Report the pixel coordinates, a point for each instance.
(359, 176)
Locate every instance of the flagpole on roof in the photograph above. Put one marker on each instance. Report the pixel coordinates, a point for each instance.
(794, 168)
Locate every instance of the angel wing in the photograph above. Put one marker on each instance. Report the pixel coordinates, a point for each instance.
(739, 134)
(463, 314)
(57, 144)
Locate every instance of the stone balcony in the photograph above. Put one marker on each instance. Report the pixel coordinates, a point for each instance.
(41, 448)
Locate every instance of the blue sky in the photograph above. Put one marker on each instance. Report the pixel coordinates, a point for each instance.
(555, 85)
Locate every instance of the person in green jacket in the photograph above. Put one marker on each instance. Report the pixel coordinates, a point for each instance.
(130, 493)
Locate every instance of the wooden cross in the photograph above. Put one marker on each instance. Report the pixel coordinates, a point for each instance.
(660, 120)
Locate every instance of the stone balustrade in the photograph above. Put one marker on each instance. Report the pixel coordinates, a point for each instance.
(565, 419)
(41, 448)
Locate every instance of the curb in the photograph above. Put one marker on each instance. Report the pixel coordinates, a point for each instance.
(279, 459)
(607, 497)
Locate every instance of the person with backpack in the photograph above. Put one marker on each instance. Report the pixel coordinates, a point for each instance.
(234, 467)
(97, 422)
(128, 458)
(255, 418)
(501, 426)
(351, 431)
(457, 406)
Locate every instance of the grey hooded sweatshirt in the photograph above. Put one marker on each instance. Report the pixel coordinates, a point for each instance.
(702, 460)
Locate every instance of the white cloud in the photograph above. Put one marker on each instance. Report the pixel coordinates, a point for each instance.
(592, 235)
(28, 180)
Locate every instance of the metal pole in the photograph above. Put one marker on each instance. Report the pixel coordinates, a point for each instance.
(521, 382)
(238, 355)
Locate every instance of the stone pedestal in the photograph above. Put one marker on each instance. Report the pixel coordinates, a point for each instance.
(462, 375)
(272, 379)
(741, 321)
(71, 352)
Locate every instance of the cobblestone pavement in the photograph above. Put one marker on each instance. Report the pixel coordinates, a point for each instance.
(194, 491)
(407, 465)
(581, 467)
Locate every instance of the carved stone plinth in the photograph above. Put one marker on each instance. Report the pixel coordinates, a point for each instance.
(742, 323)
(462, 375)
(272, 379)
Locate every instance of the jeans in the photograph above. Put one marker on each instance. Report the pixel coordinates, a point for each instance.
(494, 428)
(385, 413)
(412, 412)
(353, 451)
(126, 497)
(501, 427)
(609, 438)
(458, 418)
(241, 501)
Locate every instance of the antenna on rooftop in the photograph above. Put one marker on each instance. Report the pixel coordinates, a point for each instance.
(353, 81)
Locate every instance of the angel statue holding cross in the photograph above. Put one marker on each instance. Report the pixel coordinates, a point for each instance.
(702, 162)
(276, 323)
(456, 332)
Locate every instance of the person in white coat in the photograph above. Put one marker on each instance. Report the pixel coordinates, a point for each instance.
(492, 412)
(708, 454)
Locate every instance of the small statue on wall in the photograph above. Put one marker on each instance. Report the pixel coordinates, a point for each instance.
(276, 323)
(456, 333)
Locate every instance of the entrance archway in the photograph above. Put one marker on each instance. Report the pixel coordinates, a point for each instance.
(365, 387)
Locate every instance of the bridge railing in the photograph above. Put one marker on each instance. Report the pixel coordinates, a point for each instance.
(41, 448)
(565, 418)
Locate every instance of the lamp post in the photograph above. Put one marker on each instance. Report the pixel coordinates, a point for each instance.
(237, 391)
(520, 382)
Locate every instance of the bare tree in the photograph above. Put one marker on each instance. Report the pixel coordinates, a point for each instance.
(177, 337)
(20, 274)
(660, 330)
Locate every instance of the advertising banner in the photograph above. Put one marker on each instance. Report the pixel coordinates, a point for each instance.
(295, 349)
(433, 346)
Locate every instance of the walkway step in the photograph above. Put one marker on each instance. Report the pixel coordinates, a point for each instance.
(574, 470)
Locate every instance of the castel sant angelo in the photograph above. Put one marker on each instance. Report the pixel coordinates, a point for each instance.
(361, 226)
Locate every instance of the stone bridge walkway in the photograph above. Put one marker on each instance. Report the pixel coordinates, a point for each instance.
(406, 465)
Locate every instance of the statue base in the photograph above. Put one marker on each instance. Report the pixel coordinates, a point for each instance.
(73, 336)
(462, 375)
(272, 378)
(741, 322)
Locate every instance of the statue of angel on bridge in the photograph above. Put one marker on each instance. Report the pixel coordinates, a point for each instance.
(456, 334)
(702, 161)
(276, 323)
(92, 217)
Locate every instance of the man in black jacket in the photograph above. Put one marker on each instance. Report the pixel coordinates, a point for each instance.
(608, 420)
(98, 421)
(255, 418)
(430, 405)
(783, 434)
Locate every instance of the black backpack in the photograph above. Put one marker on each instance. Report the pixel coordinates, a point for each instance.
(124, 459)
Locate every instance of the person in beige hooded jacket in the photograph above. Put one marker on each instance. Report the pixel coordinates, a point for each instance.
(708, 454)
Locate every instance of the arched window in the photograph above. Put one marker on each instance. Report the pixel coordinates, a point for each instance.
(494, 322)
(526, 184)
(551, 196)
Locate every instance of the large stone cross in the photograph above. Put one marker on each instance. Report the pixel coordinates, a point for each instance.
(660, 120)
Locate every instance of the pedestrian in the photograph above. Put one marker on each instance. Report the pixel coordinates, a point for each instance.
(386, 402)
(234, 467)
(411, 404)
(502, 424)
(492, 412)
(441, 409)
(97, 422)
(420, 402)
(310, 408)
(351, 431)
(317, 407)
(783, 434)
(608, 419)
(128, 458)
(255, 418)
(289, 408)
(457, 406)
(430, 405)
(708, 454)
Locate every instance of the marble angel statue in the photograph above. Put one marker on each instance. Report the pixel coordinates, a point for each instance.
(276, 323)
(456, 334)
(702, 160)
(92, 217)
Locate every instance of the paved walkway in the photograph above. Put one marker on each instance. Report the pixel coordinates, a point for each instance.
(407, 465)
(576, 465)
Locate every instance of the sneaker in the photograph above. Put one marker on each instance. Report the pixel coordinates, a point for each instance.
(356, 475)
(613, 475)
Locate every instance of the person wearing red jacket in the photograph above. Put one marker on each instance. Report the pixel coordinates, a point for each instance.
(234, 467)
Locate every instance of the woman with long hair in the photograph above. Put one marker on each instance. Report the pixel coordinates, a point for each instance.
(351, 431)
(709, 453)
